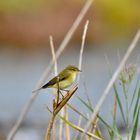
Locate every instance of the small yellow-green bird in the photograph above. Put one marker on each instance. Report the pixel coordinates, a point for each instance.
(65, 78)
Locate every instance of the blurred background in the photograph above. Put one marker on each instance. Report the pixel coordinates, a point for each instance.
(25, 27)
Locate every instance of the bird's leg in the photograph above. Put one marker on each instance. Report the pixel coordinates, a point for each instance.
(65, 90)
(61, 94)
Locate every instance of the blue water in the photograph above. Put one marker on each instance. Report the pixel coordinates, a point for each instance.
(20, 70)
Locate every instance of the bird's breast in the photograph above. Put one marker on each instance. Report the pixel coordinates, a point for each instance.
(68, 81)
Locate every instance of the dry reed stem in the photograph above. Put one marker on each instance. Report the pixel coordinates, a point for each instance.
(113, 79)
(82, 47)
(48, 135)
(67, 129)
(61, 127)
(56, 73)
(53, 55)
(89, 134)
(44, 76)
(65, 99)
(55, 67)
(54, 130)
(78, 112)
(94, 125)
(56, 110)
(81, 55)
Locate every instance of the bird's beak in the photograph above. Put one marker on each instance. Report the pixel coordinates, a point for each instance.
(80, 70)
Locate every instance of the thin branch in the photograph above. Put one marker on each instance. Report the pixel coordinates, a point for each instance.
(54, 56)
(55, 67)
(56, 110)
(48, 134)
(61, 126)
(54, 130)
(82, 47)
(89, 134)
(67, 128)
(56, 73)
(47, 71)
(113, 79)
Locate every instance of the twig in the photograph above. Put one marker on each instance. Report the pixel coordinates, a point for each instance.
(44, 76)
(61, 126)
(53, 55)
(113, 79)
(56, 73)
(48, 136)
(54, 130)
(89, 134)
(82, 47)
(78, 112)
(66, 116)
(56, 110)
(55, 67)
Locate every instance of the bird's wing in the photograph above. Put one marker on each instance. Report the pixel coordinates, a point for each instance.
(62, 76)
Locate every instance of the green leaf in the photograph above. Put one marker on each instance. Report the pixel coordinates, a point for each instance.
(134, 94)
(114, 133)
(119, 102)
(86, 104)
(136, 105)
(134, 133)
(78, 128)
(92, 110)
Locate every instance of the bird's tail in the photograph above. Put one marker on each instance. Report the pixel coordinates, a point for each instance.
(36, 90)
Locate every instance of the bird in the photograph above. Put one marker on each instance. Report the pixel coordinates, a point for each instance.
(63, 80)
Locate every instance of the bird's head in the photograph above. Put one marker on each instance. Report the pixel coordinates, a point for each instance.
(73, 69)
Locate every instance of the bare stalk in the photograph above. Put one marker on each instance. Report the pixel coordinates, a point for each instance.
(48, 136)
(54, 130)
(113, 79)
(44, 76)
(82, 47)
(56, 73)
(67, 128)
(56, 110)
(61, 126)
(53, 55)
(89, 134)
(55, 67)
